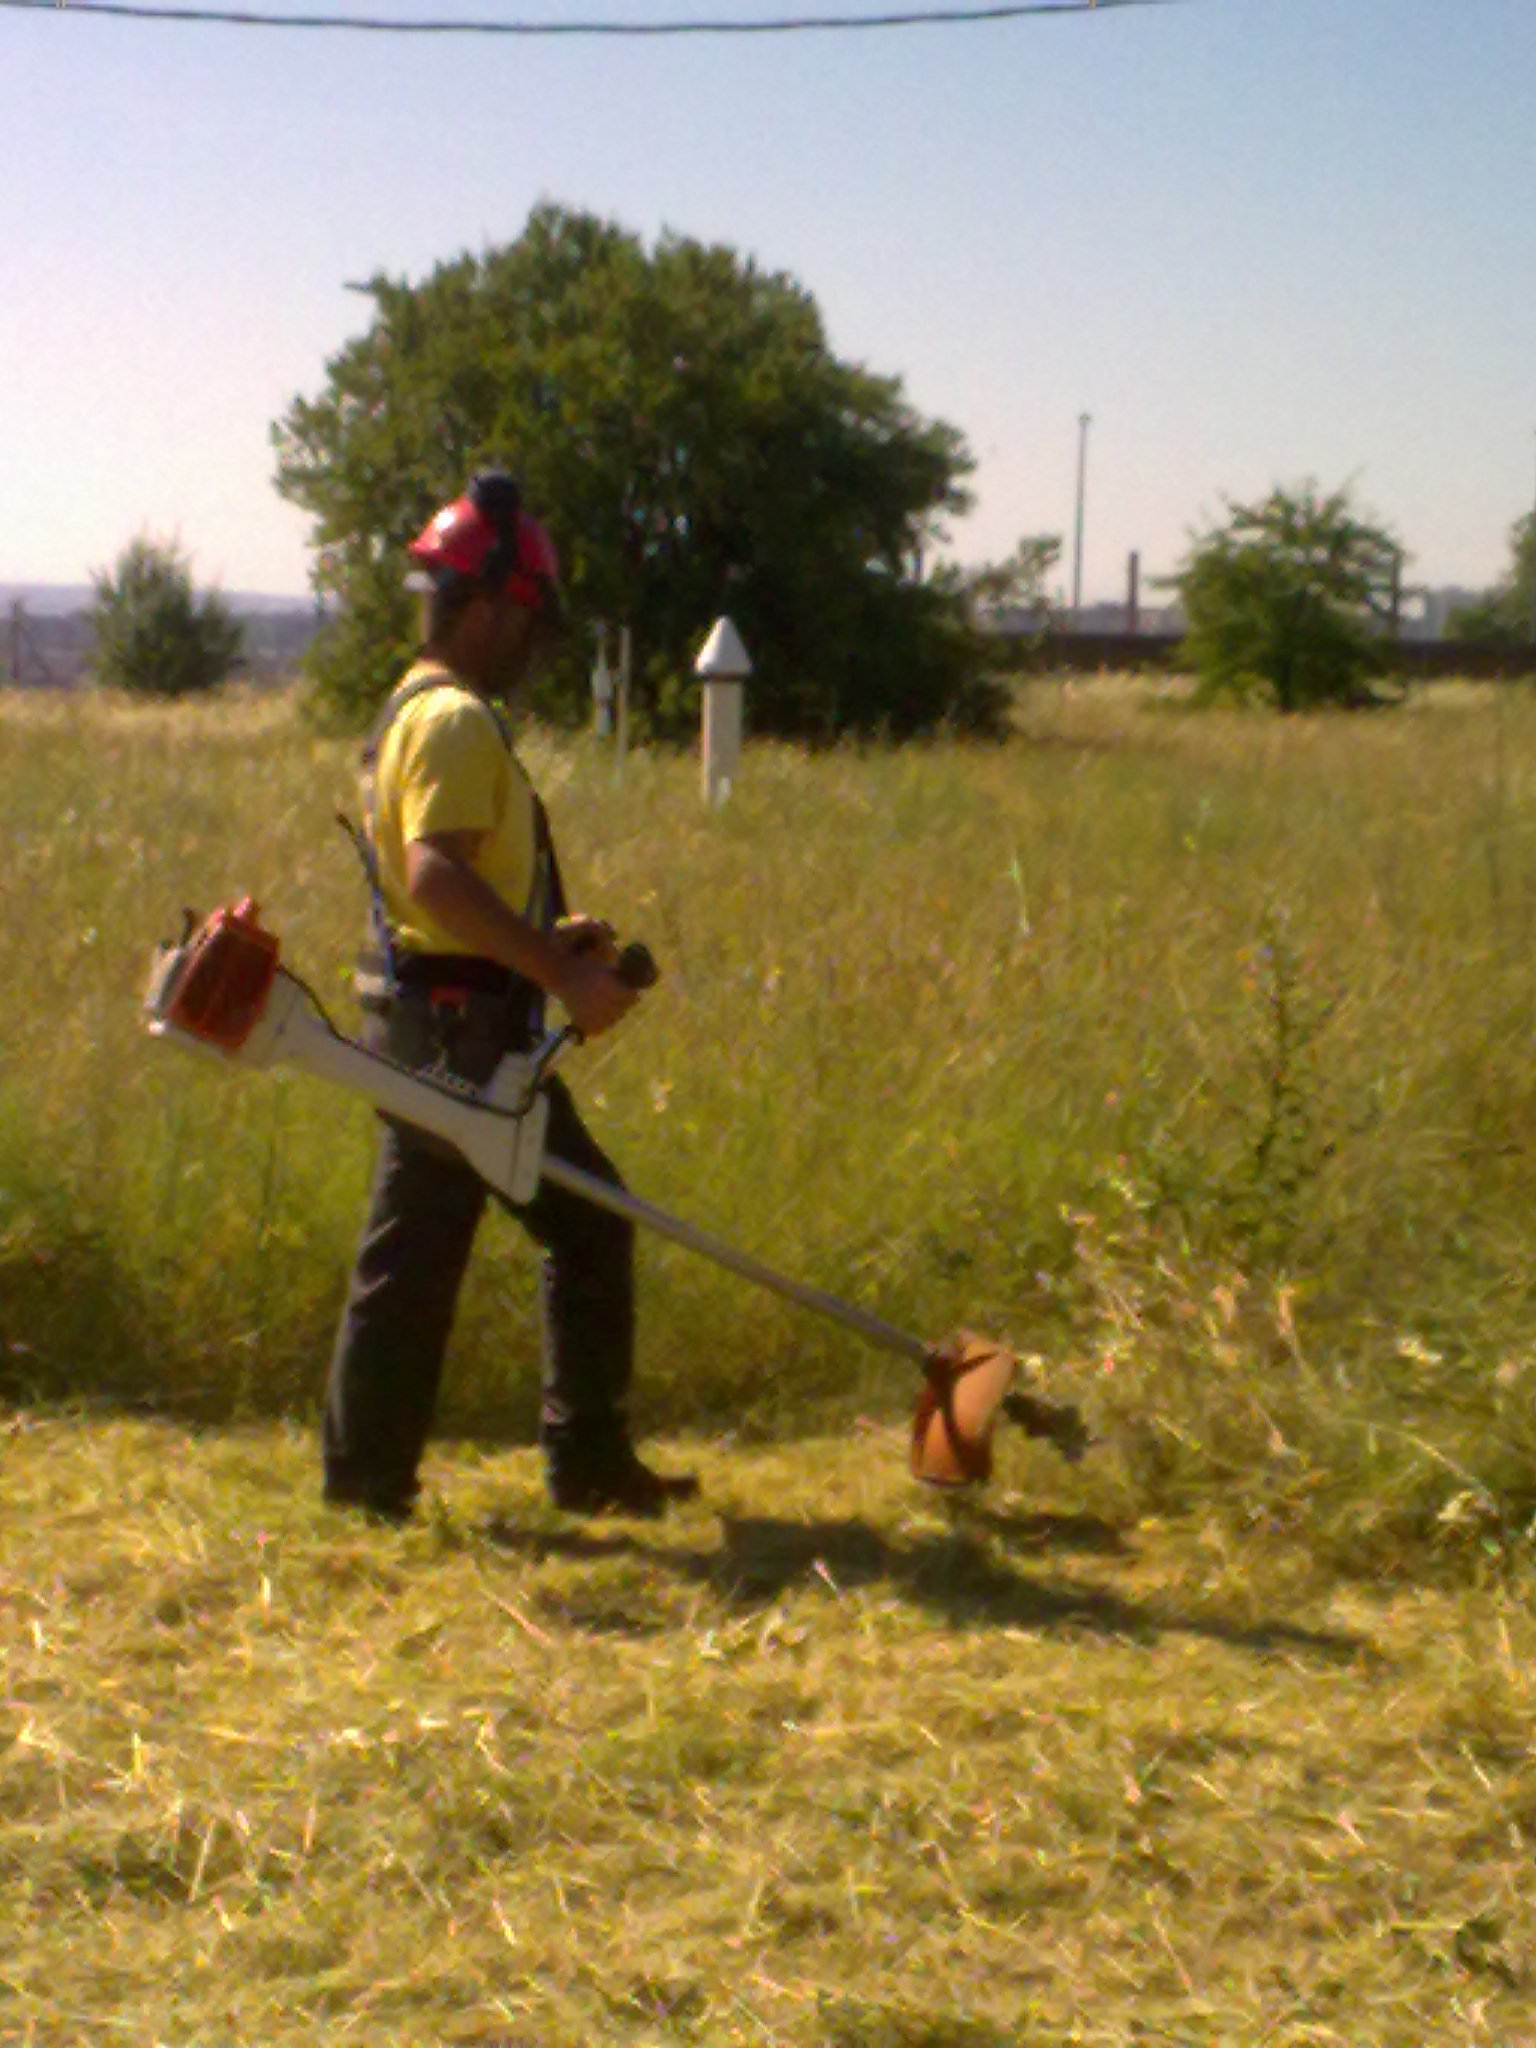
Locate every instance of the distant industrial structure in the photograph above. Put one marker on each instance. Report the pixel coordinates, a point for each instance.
(1130, 634)
(1423, 614)
(46, 639)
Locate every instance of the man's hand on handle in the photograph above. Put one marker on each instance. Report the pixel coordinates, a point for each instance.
(592, 963)
(579, 963)
(592, 937)
(594, 995)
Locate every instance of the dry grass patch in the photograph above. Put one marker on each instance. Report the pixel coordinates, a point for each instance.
(825, 1760)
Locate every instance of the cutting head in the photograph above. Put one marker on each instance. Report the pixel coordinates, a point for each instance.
(965, 1382)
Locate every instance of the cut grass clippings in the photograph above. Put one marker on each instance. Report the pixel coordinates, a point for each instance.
(824, 1760)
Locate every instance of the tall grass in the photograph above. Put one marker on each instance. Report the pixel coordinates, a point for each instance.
(1189, 1054)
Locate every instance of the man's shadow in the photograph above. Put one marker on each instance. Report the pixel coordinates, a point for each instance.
(954, 1573)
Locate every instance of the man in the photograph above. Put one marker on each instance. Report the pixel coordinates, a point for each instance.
(472, 937)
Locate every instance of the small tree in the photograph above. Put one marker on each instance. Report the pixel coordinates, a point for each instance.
(1505, 615)
(1286, 601)
(1010, 591)
(154, 635)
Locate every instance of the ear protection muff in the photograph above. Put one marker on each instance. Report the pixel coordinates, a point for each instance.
(499, 502)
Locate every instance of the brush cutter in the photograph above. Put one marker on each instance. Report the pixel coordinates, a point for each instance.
(222, 991)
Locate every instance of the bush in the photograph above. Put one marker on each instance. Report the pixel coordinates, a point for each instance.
(1506, 615)
(155, 637)
(1284, 602)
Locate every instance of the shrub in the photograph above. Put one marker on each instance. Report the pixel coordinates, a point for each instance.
(155, 637)
(1284, 602)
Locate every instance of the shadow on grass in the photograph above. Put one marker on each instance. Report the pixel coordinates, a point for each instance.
(761, 1558)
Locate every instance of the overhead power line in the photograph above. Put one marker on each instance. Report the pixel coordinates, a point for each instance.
(921, 17)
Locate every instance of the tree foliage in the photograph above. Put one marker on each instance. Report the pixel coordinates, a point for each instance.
(155, 636)
(1286, 601)
(681, 424)
(1505, 615)
(1013, 590)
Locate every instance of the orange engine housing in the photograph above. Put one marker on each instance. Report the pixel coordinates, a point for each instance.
(223, 986)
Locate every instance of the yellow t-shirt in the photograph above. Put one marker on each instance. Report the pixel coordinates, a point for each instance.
(444, 766)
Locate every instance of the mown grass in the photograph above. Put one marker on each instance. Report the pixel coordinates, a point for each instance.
(1189, 1054)
(821, 1762)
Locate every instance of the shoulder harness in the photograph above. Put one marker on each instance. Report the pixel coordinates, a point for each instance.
(548, 888)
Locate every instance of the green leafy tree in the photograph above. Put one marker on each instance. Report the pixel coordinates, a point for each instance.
(682, 426)
(1014, 587)
(1505, 615)
(154, 634)
(1287, 600)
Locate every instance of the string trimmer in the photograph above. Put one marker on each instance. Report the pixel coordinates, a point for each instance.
(222, 990)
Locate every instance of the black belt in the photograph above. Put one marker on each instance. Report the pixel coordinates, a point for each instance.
(467, 971)
(440, 977)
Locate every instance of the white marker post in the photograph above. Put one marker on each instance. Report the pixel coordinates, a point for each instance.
(602, 688)
(626, 677)
(723, 667)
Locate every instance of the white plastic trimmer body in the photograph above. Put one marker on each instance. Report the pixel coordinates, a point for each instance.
(222, 993)
(499, 1130)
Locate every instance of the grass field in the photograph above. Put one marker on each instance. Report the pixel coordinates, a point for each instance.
(1189, 1054)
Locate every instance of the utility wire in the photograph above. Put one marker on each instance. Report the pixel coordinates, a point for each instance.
(924, 17)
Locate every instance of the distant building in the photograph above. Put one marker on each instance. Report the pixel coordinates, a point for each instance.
(1157, 620)
(1425, 616)
(1435, 609)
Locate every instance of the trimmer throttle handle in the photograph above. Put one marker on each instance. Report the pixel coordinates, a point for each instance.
(637, 966)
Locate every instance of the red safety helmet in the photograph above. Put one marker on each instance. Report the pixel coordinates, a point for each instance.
(488, 539)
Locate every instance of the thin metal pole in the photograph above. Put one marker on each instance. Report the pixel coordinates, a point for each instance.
(1085, 421)
(874, 1329)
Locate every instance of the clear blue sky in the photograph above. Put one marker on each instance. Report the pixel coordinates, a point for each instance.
(1258, 240)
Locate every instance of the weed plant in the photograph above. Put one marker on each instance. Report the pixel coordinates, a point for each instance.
(1190, 1054)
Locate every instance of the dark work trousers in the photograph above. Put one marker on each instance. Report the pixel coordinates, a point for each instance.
(425, 1208)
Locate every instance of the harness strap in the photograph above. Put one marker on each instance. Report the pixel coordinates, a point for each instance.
(379, 981)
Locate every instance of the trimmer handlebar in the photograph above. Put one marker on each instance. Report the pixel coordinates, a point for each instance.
(636, 968)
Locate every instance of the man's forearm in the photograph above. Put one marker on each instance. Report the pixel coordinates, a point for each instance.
(459, 899)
